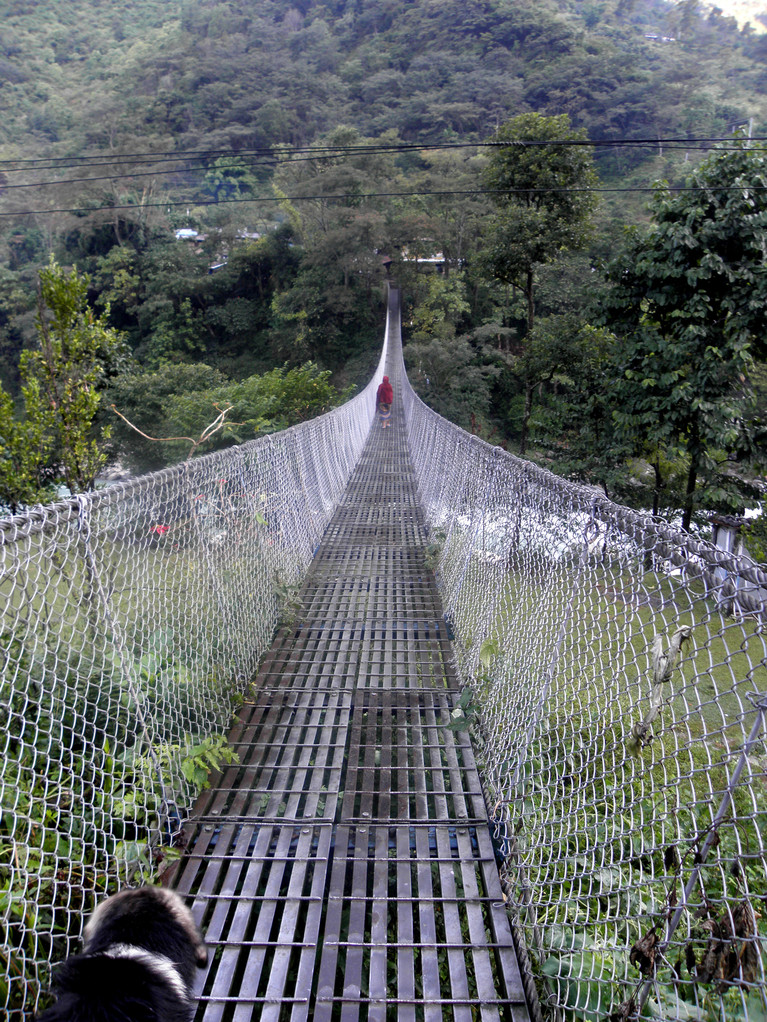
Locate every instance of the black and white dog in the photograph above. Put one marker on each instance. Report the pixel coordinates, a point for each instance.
(137, 964)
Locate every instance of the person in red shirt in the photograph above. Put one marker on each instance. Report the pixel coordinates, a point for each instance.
(384, 399)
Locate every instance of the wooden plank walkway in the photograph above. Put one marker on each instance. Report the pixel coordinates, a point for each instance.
(343, 870)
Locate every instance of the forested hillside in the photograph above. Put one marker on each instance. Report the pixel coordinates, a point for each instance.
(231, 175)
(93, 76)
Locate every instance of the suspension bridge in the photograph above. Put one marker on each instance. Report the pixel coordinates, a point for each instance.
(344, 863)
(344, 868)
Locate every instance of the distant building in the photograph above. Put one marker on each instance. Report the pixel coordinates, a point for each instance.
(434, 261)
(725, 533)
(189, 234)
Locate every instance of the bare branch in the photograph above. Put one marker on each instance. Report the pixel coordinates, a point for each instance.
(218, 423)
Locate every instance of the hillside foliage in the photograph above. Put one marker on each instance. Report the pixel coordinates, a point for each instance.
(231, 176)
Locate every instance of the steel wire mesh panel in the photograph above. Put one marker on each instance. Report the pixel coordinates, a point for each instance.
(617, 675)
(133, 619)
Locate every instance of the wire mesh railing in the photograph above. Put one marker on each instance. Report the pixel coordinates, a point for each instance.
(616, 687)
(616, 674)
(133, 620)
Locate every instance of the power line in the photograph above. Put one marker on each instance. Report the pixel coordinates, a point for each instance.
(357, 197)
(271, 155)
(285, 152)
(114, 177)
(251, 161)
(269, 158)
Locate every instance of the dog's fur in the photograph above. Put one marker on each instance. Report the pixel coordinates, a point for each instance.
(137, 964)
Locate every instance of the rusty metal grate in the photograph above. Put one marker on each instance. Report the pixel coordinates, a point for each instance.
(343, 868)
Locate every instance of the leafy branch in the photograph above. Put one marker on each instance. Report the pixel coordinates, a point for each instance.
(468, 709)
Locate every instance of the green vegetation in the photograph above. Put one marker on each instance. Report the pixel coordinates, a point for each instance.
(108, 734)
(604, 835)
(99, 801)
(196, 199)
(688, 305)
(546, 202)
(63, 377)
(662, 404)
(181, 400)
(291, 143)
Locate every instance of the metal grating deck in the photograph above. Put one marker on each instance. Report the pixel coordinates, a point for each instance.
(343, 869)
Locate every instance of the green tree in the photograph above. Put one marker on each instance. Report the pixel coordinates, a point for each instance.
(230, 177)
(689, 304)
(446, 211)
(143, 397)
(441, 308)
(755, 534)
(169, 317)
(578, 424)
(168, 408)
(333, 305)
(549, 348)
(259, 404)
(447, 373)
(24, 448)
(542, 184)
(63, 379)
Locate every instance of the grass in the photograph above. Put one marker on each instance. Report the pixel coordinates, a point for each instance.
(608, 831)
(92, 647)
(608, 624)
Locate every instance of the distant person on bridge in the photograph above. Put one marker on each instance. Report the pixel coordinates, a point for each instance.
(384, 398)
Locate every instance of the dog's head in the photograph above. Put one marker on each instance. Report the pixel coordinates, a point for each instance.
(141, 949)
(148, 917)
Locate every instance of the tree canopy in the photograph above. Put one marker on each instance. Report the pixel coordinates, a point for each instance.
(689, 304)
(58, 437)
(542, 181)
(231, 177)
(179, 402)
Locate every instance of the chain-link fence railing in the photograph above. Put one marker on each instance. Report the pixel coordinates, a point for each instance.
(133, 620)
(617, 673)
(617, 687)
